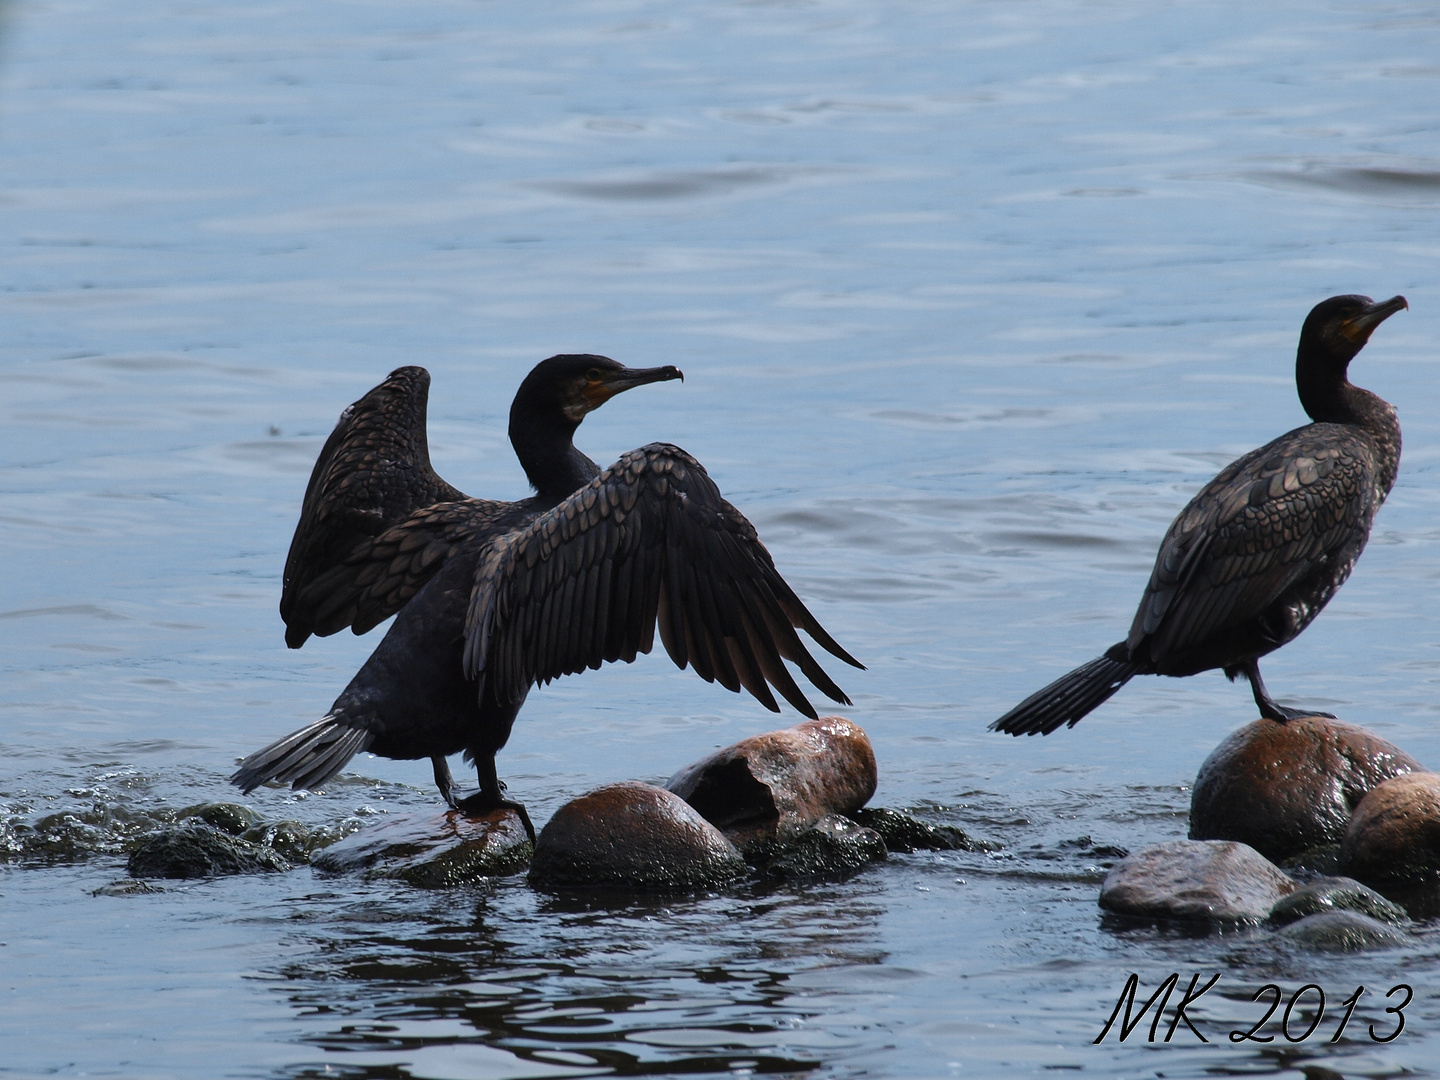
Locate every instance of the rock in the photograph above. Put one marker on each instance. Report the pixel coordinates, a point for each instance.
(632, 836)
(1343, 931)
(228, 817)
(1335, 894)
(197, 850)
(1283, 788)
(834, 847)
(1323, 861)
(126, 887)
(433, 851)
(1205, 880)
(767, 789)
(901, 832)
(290, 838)
(1395, 832)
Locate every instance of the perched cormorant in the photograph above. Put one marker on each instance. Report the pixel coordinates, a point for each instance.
(1256, 555)
(493, 597)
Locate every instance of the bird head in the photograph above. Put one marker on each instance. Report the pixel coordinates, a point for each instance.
(1339, 327)
(575, 384)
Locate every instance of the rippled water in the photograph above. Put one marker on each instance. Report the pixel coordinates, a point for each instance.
(970, 298)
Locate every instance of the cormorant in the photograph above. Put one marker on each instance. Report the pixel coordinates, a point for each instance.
(1262, 548)
(493, 597)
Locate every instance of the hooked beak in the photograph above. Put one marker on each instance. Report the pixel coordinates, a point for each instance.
(1363, 325)
(616, 382)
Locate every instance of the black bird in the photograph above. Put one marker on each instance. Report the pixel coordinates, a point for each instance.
(1256, 555)
(493, 597)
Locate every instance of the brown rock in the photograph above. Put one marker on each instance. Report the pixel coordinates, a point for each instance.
(433, 850)
(1285, 788)
(1205, 880)
(1395, 832)
(769, 788)
(632, 836)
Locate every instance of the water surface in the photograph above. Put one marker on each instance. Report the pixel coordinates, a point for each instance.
(970, 298)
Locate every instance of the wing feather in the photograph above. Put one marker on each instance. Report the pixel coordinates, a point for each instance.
(649, 544)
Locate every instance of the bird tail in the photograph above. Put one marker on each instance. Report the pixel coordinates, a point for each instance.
(304, 758)
(1069, 698)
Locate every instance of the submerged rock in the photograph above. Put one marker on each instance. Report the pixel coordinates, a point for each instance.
(232, 818)
(432, 850)
(834, 847)
(632, 836)
(901, 832)
(290, 838)
(1395, 832)
(196, 850)
(1196, 880)
(1343, 931)
(126, 887)
(767, 789)
(1335, 894)
(1283, 788)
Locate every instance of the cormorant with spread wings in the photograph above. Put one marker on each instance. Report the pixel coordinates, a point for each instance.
(493, 597)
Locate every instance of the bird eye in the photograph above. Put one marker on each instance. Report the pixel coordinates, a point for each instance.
(593, 374)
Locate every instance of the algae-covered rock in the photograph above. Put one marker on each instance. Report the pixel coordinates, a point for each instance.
(833, 848)
(632, 836)
(1343, 931)
(232, 818)
(903, 833)
(1335, 894)
(196, 850)
(431, 850)
(1214, 881)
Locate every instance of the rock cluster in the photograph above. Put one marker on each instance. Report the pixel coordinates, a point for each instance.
(1320, 796)
(1287, 788)
(787, 805)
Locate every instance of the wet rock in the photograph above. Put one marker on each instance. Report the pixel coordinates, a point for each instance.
(1283, 788)
(1394, 834)
(632, 836)
(1335, 894)
(901, 832)
(196, 850)
(1323, 860)
(290, 838)
(833, 848)
(767, 789)
(1343, 931)
(229, 817)
(126, 887)
(433, 851)
(1198, 880)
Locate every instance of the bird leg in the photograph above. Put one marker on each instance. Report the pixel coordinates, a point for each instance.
(444, 781)
(491, 796)
(1269, 708)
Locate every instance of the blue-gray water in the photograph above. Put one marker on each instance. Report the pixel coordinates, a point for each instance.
(970, 298)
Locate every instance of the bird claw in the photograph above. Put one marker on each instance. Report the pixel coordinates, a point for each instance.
(480, 804)
(1283, 715)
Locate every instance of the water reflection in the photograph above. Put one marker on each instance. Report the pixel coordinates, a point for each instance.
(632, 985)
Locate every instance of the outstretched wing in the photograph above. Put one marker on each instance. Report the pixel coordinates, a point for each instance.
(372, 474)
(648, 542)
(1269, 519)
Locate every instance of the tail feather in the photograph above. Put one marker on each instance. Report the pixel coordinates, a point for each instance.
(304, 758)
(1069, 698)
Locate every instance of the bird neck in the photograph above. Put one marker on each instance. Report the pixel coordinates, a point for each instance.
(546, 449)
(1336, 400)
